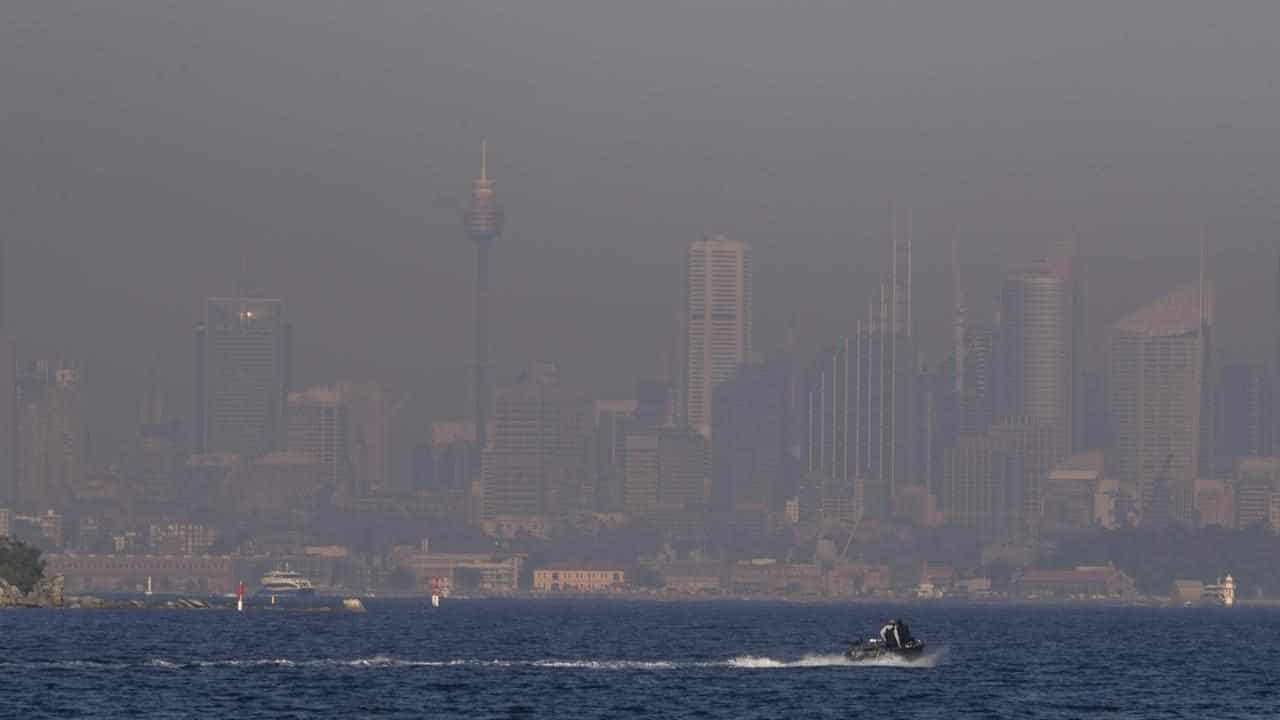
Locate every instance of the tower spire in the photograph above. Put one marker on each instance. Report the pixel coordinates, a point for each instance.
(483, 224)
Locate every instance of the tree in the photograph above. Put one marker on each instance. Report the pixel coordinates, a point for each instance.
(20, 564)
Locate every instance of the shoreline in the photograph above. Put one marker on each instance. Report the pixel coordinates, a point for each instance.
(327, 603)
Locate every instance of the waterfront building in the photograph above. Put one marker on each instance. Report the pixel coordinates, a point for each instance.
(1084, 582)
(464, 572)
(567, 577)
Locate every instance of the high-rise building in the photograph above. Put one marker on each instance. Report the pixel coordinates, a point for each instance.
(828, 440)
(981, 480)
(1257, 484)
(1035, 339)
(8, 420)
(1244, 412)
(884, 390)
(717, 321)
(369, 420)
(1036, 444)
(243, 364)
(446, 464)
(750, 443)
(1155, 368)
(483, 222)
(536, 462)
(8, 401)
(614, 419)
(666, 469)
(319, 430)
(51, 436)
(980, 404)
(159, 449)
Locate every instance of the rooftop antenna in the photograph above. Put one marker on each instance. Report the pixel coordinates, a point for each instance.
(484, 160)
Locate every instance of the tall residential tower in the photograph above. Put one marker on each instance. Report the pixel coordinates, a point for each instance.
(717, 321)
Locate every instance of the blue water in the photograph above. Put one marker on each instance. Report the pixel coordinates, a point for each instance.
(595, 659)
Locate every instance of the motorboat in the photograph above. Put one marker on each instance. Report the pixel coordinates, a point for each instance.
(877, 649)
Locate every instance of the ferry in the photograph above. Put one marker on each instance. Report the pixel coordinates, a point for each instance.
(285, 584)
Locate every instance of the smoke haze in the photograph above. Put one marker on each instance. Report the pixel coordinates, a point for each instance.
(149, 146)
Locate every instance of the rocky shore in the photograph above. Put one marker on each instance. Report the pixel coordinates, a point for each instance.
(48, 593)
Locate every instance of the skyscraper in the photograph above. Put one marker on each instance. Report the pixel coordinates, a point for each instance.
(1155, 368)
(8, 401)
(665, 469)
(319, 427)
(483, 222)
(981, 481)
(1035, 338)
(980, 403)
(243, 350)
(750, 468)
(368, 421)
(885, 386)
(828, 437)
(717, 321)
(536, 462)
(50, 436)
(1244, 412)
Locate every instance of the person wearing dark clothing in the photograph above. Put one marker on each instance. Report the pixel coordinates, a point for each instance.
(895, 634)
(904, 634)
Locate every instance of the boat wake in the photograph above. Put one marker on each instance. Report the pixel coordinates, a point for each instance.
(929, 660)
(748, 662)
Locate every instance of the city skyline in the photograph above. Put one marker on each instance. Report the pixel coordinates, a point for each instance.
(738, 339)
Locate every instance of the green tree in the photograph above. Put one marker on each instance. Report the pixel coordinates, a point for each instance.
(20, 564)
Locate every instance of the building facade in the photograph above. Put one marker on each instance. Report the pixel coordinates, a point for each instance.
(51, 436)
(665, 469)
(242, 375)
(319, 426)
(1155, 368)
(537, 459)
(750, 441)
(717, 321)
(1035, 336)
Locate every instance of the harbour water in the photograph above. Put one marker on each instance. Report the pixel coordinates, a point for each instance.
(610, 659)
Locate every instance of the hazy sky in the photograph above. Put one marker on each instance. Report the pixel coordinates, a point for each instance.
(146, 146)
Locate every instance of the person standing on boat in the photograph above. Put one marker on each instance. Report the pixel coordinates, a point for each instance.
(895, 634)
(888, 634)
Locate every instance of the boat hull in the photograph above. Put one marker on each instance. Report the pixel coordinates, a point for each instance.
(877, 651)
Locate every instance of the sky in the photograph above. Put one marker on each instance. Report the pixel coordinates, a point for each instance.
(148, 148)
